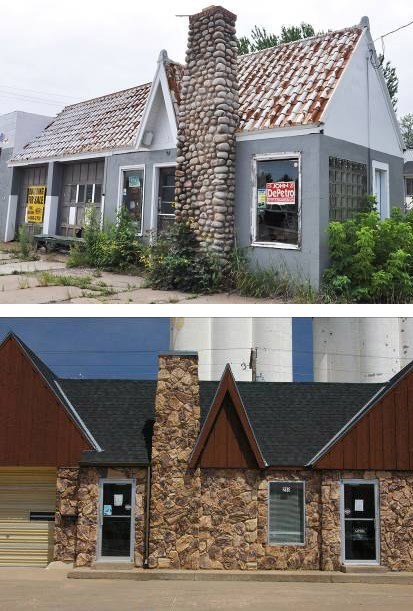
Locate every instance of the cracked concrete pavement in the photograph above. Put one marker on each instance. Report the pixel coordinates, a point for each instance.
(48, 280)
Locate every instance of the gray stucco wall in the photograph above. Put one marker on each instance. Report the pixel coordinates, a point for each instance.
(6, 174)
(303, 263)
(331, 147)
(115, 162)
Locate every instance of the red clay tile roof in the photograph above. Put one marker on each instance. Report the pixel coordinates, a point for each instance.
(105, 123)
(292, 83)
(283, 86)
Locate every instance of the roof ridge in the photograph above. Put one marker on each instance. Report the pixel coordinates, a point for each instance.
(106, 95)
(301, 40)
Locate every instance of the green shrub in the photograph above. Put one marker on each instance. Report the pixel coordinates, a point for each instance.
(175, 261)
(371, 259)
(116, 246)
(25, 251)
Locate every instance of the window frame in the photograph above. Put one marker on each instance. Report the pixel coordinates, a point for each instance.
(128, 168)
(385, 168)
(254, 242)
(408, 178)
(155, 193)
(285, 483)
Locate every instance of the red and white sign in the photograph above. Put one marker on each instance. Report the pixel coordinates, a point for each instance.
(280, 193)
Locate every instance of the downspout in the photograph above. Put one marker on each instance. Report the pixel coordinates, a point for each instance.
(369, 175)
(147, 517)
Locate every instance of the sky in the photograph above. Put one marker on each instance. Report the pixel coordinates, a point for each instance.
(94, 347)
(57, 53)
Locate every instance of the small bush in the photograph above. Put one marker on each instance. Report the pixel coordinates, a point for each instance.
(371, 259)
(175, 262)
(25, 250)
(115, 247)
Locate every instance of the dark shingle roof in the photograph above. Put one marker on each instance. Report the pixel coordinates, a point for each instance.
(119, 414)
(292, 422)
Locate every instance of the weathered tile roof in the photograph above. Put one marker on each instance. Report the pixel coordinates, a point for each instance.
(105, 123)
(287, 85)
(292, 83)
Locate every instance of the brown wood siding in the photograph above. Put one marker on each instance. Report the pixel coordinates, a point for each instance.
(383, 437)
(35, 429)
(227, 446)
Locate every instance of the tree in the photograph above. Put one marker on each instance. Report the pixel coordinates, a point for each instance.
(406, 126)
(260, 39)
(391, 78)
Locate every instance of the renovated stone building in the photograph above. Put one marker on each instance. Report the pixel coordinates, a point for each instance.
(263, 148)
(182, 474)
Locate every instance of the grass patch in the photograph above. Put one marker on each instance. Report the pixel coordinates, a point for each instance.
(82, 282)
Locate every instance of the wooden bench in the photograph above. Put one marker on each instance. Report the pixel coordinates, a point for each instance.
(51, 242)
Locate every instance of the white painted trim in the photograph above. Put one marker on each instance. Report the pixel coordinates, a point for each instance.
(286, 482)
(79, 419)
(375, 483)
(155, 192)
(346, 427)
(160, 80)
(127, 168)
(10, 227)
(50, 215)
(382, 167)
(119, 559)
(278, 132)
(253, 237)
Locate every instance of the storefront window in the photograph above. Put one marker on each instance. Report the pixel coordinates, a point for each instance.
(409, 187)
(286, 513)
(277, 201)
(132, 195)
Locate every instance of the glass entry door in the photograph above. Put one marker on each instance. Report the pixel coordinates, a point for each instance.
(166, 197)
(116, 514)
(360, 522)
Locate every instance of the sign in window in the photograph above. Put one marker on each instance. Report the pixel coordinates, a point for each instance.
(277, 201)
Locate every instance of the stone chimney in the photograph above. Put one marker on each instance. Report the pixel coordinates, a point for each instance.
(208, 120)
(175, 496)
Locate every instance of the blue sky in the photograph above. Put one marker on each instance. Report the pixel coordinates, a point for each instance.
(94, 347)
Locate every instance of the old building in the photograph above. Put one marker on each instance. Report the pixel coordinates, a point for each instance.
(266, 147)
(203, 475)
(16, 129)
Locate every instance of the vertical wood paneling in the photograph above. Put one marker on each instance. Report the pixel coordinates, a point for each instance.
(382, 438)
(227, 446)
(35, 430)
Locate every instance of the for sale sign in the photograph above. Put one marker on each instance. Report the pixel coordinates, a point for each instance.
(281, 193)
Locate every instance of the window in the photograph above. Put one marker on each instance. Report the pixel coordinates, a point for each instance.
(286, 513)
(132, 181)
(276, 201)
(381, 187)
(347, 188)
(409, 187)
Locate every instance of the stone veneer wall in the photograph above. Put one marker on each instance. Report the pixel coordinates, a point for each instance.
(234, 521)
(208, 120)
(396, 517)
(78, 495)
(175, 492)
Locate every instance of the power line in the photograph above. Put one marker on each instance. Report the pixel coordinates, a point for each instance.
(41, 92)
(406, 25)
(31, 99)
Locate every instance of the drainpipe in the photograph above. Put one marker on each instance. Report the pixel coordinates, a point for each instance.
(147, 517)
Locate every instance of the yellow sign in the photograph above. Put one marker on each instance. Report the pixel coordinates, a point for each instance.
(35, 204)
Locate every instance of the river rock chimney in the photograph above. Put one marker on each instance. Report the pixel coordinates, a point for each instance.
(208, 120)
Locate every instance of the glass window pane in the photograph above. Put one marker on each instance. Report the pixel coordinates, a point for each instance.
(89, 194)
(81, 194)
(286, 513)
(132, 195)
(277, 201)
(98, 194)
(73, 192)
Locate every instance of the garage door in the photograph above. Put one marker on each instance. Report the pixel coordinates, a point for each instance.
(27, 504)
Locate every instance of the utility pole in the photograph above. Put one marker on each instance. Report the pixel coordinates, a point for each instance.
(253, 364)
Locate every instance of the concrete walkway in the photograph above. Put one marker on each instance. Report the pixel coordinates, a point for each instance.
(50, 590)
(47, 281)
(393, 578)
